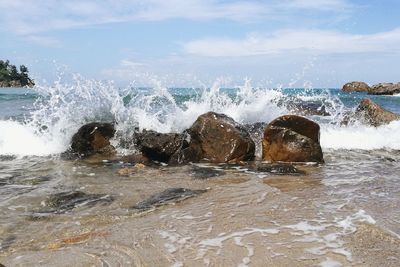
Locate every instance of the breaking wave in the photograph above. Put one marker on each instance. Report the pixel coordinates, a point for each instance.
(59, 110)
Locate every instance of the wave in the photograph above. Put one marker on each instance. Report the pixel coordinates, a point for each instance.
(62, 108)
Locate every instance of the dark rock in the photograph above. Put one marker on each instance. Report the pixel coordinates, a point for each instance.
(205, 173)
(7, 158)
(371, 113)
(292, 138)
(385, 89)
(215, 138)
(92, 138)
(356, 87)
(167, 196)
(158, 146)
(308, 109)
(280, 169)
(62, 202)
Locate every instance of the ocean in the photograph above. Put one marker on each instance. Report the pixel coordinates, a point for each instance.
(345, 212)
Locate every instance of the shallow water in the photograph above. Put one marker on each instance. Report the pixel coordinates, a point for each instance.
(245, 218)
(343, 213)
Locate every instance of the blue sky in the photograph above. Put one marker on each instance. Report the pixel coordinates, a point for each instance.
(322, 43)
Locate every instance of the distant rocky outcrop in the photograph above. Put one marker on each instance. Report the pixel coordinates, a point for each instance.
(356, 87)
(11, 77)
(292, 138)
(373, 114)
(92, 138)
(385, 89)
(377, 89)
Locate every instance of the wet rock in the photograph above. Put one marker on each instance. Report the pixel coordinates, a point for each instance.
(158, 146)
(308, 109)
(35, 180)
(7, 242)
(292, 138)
(205, 173)
(279, 169)
(356, 87)
(62, 202)
(385, 89)
(135, 158)
(373, 114)
(215, 138)
(7, 157)
(167, 196)
(92, 138)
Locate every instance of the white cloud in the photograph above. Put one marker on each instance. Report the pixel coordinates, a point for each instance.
(317, 41)
(32, 16)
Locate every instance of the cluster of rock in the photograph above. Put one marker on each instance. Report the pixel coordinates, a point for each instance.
(378, 89)
(217, 138)
(213, 137)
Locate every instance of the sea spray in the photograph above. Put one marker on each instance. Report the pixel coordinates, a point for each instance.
(60, 109)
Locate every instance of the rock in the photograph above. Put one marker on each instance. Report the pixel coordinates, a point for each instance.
(205, 173)
(385, 89)
(279, 169)
(166, 197)
(308, 109)
(92, 138)
(292, 138)
(356, 87)
(215, 138)
(135, 158)
(62, 202)
(371, 113)
(158, 146)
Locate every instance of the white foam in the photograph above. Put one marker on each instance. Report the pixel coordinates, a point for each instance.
(22, 139)
(330, 263)
(361, 137)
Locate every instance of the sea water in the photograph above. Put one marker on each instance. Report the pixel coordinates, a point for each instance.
(345, 212)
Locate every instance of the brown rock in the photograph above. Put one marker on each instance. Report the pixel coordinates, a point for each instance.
(374, 114)
(216, 138)
(292, 138)
(385, 89)
(92, 138)
(356, 87)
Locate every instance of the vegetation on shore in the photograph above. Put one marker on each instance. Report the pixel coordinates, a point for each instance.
(11, 77)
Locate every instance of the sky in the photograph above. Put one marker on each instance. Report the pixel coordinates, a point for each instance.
(289, 43)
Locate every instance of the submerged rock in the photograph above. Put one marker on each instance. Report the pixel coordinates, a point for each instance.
(62, 202)
(215, 138)
(279, 169)
(356, 87)
(92, 138)
(292, 138)
(159, 146)
(205, 173)
(385, 89)
(167, 196)
(373, 114)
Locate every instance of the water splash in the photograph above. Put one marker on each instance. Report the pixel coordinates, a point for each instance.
(60, 109)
